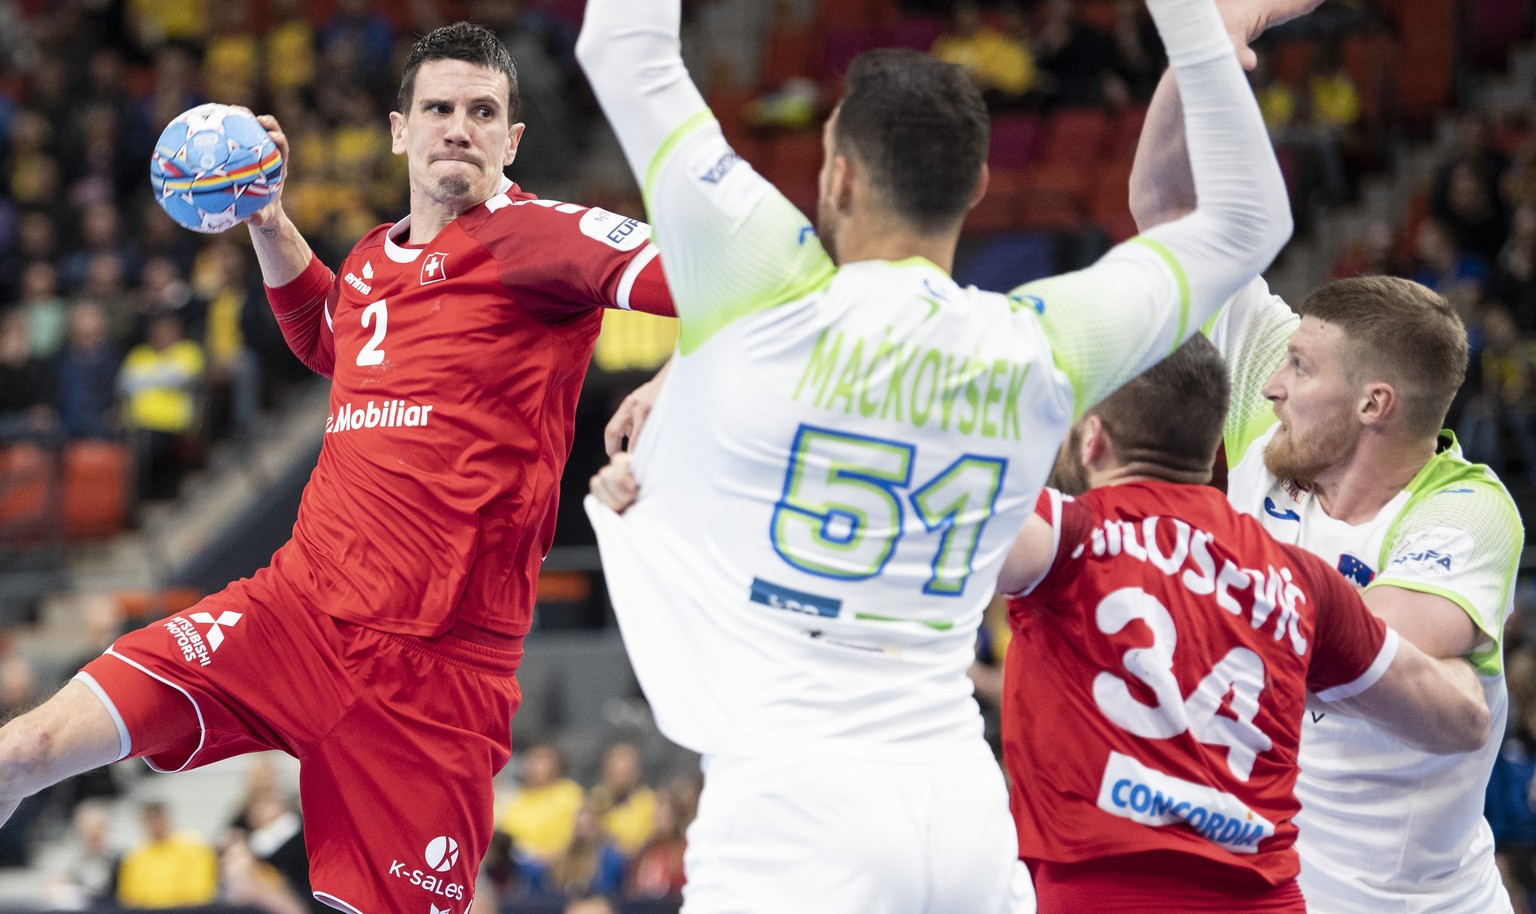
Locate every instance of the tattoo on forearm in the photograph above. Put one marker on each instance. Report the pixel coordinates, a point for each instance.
(269, 232)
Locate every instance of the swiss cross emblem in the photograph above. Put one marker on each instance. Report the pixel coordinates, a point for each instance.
(434, 268)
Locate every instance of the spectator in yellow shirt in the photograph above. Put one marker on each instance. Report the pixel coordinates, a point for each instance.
(169, 870)
(541, 816)
(160, 381)
(628, 806)
(1001, 65)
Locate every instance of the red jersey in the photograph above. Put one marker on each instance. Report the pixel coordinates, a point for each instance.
(1157, 679)
(455, 370)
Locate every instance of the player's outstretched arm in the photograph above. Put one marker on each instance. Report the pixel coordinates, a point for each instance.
(1139, 302)
(1435, 705)
(732, 244)
(632, 55)
(298, 284)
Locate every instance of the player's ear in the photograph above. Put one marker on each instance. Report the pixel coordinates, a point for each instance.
(1378, 402)
(1093, 445)
(982, 180)
(397, 133)
(514, 136)
(840, 181)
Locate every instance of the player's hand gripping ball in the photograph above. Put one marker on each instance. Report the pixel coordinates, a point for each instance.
(213, 167)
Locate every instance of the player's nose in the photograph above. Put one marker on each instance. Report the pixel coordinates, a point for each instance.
(1273, 390)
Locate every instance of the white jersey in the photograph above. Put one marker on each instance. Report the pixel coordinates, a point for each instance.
(838, 464)
(1384, 826)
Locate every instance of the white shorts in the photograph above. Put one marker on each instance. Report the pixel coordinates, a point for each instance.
(792, 837)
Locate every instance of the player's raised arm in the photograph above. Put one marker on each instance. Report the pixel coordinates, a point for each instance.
(1145, 297)
(732, 244)
(298, 284)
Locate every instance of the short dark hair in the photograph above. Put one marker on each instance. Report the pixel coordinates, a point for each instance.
(464, 41)
(1401, 332)
(920, 127)
(1171, 414)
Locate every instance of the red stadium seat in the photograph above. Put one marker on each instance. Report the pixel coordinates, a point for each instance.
(1074, 136)
(791, 52)
(96, 479)
(843, 45)
(1014, 140)
(27, 477)
(1292, 62)
(915, 32)
(1125, 133)
(1056, 197)
(1002, 208)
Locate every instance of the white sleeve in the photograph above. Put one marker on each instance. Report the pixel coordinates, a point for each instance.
(632, 55)
(1122, 325)
(731, 243)
(1251, 333)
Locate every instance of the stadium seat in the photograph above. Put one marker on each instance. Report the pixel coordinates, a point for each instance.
(1014, 139)
(842, 45)
(1124, 133)
(1001, 209)
(915, 32)
(27, 482)
(1056, 196)
(791, 156)
(790, 53)
(1074, 135)
(96, 479)
(1292, 62)
(1111, 191)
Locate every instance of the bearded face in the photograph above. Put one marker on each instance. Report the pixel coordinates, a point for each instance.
(1301, 451)
(1316, 399)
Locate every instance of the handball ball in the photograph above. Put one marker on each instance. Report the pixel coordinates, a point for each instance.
(213, 167)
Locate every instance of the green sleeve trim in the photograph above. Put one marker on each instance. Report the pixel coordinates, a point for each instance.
(1488, 662)
(694, 333)
(665, 149)
(1241, 438)
(1162, 251)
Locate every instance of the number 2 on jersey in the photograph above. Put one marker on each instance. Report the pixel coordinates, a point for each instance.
(377, 315)
(841, 512)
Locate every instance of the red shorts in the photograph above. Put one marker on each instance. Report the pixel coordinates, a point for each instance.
(397, 737)
(1158, 883)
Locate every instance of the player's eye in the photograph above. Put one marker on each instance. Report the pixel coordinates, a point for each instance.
(485, 112)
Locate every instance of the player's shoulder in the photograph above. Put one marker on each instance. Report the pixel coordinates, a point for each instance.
(1451, 485)
(536, 220)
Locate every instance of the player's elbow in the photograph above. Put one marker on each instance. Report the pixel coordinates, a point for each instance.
(1469, 730)
(1463, 726)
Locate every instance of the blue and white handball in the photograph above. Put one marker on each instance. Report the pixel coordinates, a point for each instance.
(213, 167)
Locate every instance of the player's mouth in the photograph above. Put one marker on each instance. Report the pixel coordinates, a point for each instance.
(461, 159)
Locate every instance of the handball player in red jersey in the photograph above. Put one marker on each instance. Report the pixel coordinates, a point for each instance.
(380, 644)
(1163, 650)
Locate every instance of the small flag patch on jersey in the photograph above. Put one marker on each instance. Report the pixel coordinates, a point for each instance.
(793, 600)
(1356, 570)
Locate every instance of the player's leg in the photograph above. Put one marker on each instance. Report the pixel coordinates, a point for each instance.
(398, 797)
(68, 734)
(807, 836)
(973, 843)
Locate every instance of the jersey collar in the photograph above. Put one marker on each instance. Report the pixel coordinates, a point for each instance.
(401, 254)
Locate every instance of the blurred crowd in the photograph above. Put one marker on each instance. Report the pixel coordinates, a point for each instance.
(116, 324)
(556, 843)
(1471, 235)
